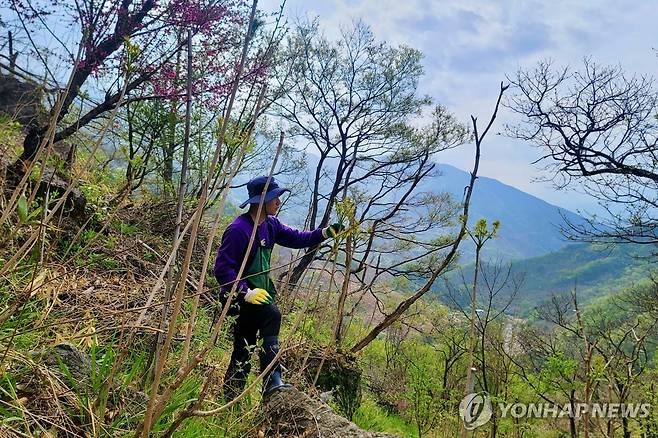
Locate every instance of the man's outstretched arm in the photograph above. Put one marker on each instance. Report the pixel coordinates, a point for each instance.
(293, 238)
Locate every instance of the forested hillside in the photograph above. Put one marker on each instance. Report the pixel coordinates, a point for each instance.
(594, 271)
(216, 221)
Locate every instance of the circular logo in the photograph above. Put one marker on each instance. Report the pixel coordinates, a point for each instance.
(475, 410)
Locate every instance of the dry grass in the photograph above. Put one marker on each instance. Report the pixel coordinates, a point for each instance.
(90, 300)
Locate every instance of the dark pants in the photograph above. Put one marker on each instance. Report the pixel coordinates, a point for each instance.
(254, 320)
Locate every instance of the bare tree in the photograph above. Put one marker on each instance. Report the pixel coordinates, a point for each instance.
(545, 364)
(595, 127)
(438, 266)
(491, 297)
(352, 101)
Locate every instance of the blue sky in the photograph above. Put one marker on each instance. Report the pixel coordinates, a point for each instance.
(471, 45)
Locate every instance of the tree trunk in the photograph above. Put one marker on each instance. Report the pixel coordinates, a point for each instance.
(444, 392)
(338, 330)
(299, 269)
(494, 424)
(470, 375)
(624, 424)
(168, 171)
(572, 418)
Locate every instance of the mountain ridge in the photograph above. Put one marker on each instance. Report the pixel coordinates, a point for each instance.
(530, 226)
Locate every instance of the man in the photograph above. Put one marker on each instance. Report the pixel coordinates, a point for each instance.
(258, 316)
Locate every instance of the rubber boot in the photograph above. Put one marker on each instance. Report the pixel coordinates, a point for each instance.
(272, 381)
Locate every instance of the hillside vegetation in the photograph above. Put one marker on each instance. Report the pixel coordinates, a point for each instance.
(594, 271)
(125, 147)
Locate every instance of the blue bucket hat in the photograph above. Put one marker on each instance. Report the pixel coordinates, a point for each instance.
(255, 188)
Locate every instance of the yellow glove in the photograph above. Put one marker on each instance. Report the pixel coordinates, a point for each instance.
(257, 296)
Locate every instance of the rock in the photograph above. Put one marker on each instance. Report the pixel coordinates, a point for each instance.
(21, 100)
(292, 413)
(77, 363)
(51, 182)
(75, 203)
(326, 396)
(71, 366)
(336, 374)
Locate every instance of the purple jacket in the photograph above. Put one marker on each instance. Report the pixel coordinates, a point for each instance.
(236, 239)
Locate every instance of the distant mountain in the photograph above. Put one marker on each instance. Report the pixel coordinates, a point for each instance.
(530, 226)
(592, 270)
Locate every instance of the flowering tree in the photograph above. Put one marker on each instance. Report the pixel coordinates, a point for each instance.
(144, 36)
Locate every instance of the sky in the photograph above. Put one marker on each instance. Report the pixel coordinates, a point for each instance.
(470, 46)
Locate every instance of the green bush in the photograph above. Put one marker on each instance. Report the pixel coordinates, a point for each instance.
(371, 416)
(343, 376)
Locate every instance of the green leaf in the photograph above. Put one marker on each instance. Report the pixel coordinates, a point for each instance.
(22, 209)
(34, 214)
